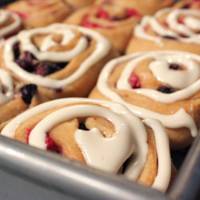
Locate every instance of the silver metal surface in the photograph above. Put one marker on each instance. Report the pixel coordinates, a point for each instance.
(187, 184)
(67, 177)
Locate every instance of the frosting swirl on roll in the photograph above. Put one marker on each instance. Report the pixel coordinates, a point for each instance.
(9, 22)
(129, 137)
(6, 87)
(57, 36)
(177, 24)
(178, 74)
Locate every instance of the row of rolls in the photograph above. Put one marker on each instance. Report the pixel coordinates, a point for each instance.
(112, 84)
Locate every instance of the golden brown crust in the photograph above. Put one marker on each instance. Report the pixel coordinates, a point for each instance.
(118, 32)
(36, 13)
(179, 137)
(63, 135)
(79, 3)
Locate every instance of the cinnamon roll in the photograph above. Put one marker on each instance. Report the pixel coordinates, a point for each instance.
(163, 85)
(14, 98)
(10, 23)
(37, 13)
(62, 60)
(114, 20)
(169, 29)
(86, 130)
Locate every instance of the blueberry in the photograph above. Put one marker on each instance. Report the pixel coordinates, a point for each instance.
(27, 61)
(46, 68)
(165, 89)
(16, 50)
(169, 37)
(27, 92)
(174, 66)
(82, 126)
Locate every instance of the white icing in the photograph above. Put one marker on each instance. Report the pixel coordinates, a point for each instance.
(163, 177)
(6, 83)
(104, 153)
(5, 16)
(101, 50)
(94, 145)
(176, 120)
(174, 29)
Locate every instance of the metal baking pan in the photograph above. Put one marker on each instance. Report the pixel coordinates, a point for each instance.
(27, 173)
(30, 173)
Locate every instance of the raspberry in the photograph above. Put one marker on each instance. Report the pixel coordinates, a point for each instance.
(134, 81)
(103, 14)
(51, 145)
(27, 134)
(130, 12)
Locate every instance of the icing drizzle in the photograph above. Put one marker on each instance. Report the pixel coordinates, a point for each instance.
(186, 30)
(188, 81)
(68, 33)
(130, 136)
(8, 29)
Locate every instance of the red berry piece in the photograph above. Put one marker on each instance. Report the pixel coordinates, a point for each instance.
(27, 134)
(130, 12)
(51, 145)
(181, 19)
(88, 24)
(134, 81)
(103, 14)
(22, 15)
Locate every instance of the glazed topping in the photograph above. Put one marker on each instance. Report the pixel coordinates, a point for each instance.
(129, 133)
(178, 24)
(106, 17)
(30, 58)
(9, 23)
(28, 92)
(177, 75)
(6, 87)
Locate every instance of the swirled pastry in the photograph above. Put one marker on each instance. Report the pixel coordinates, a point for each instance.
(100, 134)
(164, 85)
(169, 29)
(114, 20)
(145, 7)
(10, 23)
(14, 98)
(39, 13)
(61, 60)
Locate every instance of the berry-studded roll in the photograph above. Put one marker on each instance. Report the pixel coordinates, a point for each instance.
(163, 85)
(39, 13)
(10, 24)
(100, 134)
(145, 7)
(62, 60)
(79, 3)
(14, 97)
(188, 4)
(115, 19)
(169, 29)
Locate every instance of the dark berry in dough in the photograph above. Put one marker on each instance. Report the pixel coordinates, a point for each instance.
(27, 92)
